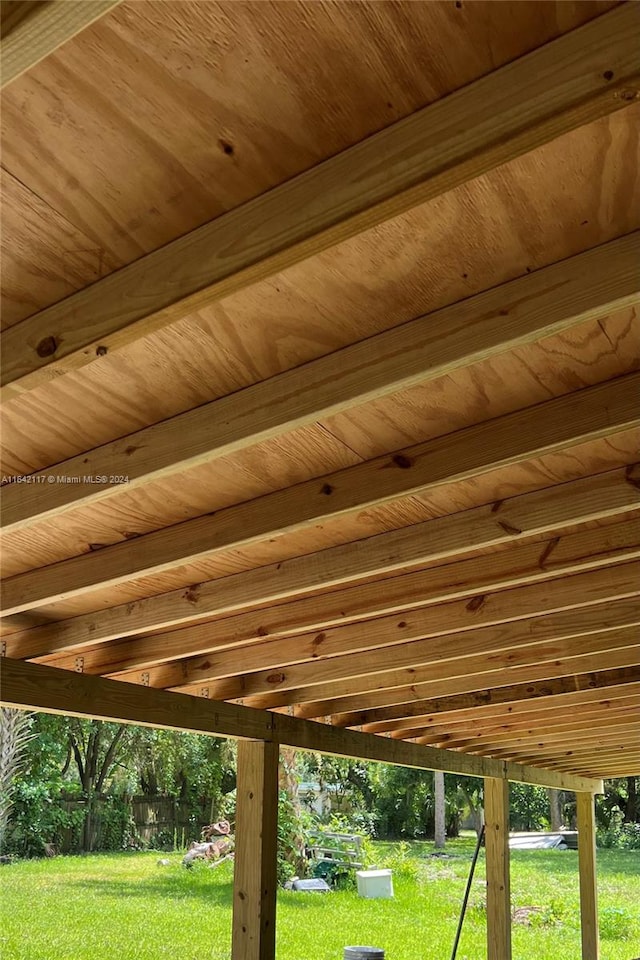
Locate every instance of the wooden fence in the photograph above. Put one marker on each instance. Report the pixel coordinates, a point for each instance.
(176, 820)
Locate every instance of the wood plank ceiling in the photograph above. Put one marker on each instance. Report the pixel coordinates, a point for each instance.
(389, 479)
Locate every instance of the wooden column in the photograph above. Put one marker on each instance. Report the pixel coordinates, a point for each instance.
(588, 886)
(496, 812)
(256, 832)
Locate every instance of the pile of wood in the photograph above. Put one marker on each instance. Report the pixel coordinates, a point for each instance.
(216, 845)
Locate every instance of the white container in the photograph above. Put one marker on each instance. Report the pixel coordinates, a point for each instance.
(375, 884)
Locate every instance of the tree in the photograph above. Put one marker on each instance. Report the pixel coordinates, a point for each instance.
(555, 803)
(439, 810)
(15, 734)
(95, 746)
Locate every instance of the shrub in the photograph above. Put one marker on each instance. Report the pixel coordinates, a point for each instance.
(619, 835)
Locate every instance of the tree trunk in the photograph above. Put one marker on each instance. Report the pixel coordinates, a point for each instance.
(631, 809)
(440, 822)
(555, 802)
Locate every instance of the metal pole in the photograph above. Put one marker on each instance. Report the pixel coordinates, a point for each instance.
(467, 892)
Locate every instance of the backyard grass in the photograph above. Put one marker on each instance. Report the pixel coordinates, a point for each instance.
(127, 907)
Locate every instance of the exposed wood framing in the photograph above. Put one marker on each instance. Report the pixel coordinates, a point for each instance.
(447, 654)
(496, 815)
(534, 514)
(583, 75)
(255, 878)
(590, 414)
(538, 305)
(33, 686)
(558, 712)
(588, 883)
(219, 642)
(34, 30)
(499, 701)
(605, 650)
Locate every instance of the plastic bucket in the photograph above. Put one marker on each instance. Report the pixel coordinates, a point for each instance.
(363, 953)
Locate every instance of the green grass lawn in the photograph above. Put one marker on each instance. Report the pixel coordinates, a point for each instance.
(126, 907)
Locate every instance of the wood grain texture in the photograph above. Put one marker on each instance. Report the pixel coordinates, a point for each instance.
(44, 257)
(588, 287)
(473, 239)
(446, 655)
(599, 411)
(255, 870)
(30, 685)
(436, 542)
(501, 702)
(433, 151)
(604, 651)
(475, 684)
(43, 27)
(588, 881)
(496, 818)
(473, 578)
(389, 631)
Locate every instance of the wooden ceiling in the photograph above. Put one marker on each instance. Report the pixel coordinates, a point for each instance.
(337, 306)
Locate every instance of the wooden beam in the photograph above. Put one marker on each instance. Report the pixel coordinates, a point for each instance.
(32, 686)
(615, 650)
(505, 643)
(535, 306)
(571, 749)
(617, 726)
(476, 730)
(374, 636)
(496, 815)
(588, 73)
(35, 30)
(499, 702)
(561, 755)
(594, 413)
(476, 578)
(255, 867)
(537, 717)
(588, 884)
(536, 514)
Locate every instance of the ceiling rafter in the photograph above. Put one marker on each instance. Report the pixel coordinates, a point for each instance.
(595, 412)
(607, 650)
(401, 628)
(538, 305)
(576, 78)
(605, 496)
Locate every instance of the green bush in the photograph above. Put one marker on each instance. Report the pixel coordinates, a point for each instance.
(619, 835)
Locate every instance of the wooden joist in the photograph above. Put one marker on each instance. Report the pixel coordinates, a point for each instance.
(317, 649)
(534, 514)
(32, 31)
(617, 728)
(33, 686)
(563, 730)
(499, 701)
(560, 710)
(596, 412)
(538, 305)
(447, 654)
(583, 75)
(603, 651)
(366, 601)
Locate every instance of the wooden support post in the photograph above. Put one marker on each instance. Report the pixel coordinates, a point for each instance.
(587, 866)
(496, 811)
(256, 831)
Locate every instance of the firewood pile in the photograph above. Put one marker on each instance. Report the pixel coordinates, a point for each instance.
(216, 845)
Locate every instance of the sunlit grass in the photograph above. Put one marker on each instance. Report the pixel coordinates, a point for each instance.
(126, 907)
